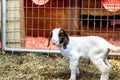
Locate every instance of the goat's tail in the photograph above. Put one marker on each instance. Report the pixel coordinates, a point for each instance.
(114, 48)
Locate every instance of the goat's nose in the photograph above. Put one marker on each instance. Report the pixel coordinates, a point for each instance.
(54, 40)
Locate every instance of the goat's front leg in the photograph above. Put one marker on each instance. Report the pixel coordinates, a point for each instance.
(73, 68)
(77, 71)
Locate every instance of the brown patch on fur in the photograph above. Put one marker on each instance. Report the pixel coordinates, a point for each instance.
(49, 39)
(63, 38)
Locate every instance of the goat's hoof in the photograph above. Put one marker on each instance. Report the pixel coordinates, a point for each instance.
(71, 79)
(77, 73)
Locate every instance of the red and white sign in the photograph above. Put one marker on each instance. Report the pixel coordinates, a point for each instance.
(40, 2)
(111, 5)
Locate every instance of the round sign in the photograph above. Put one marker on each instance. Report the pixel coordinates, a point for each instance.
(40, 2)
(111, 5)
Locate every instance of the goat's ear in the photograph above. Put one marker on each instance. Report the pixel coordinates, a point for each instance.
(49, 39)
(65, 40)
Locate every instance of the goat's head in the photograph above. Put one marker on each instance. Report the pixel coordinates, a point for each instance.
(59, 37)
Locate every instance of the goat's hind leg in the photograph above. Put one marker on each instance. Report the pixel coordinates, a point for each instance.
(107, 63)
(103, 67)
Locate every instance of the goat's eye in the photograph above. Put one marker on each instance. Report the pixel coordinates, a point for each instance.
(61, 35)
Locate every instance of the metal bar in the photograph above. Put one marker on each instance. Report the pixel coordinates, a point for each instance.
(30, 50)
(3, 24)
(114, 54)
(44, 51)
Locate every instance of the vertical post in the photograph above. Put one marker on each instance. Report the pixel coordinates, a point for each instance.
(3, 6)
(14, 24)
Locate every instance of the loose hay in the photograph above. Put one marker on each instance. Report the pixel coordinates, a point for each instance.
(46, 67)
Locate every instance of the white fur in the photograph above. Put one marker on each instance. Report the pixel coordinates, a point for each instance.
(91, 47)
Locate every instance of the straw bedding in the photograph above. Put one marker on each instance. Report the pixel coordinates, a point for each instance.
(49, 67)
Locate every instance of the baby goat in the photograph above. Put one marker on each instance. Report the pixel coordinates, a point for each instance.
(92, 47)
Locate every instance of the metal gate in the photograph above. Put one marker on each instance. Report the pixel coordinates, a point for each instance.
(26, 24)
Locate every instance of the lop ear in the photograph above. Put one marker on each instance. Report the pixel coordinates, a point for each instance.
(49, 39)
(65, 40)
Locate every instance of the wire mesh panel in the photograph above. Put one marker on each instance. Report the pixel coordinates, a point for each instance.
(41, 19)
(96, 20)
(29, 22)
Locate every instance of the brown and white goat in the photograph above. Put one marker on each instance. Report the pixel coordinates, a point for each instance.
(92, 47)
